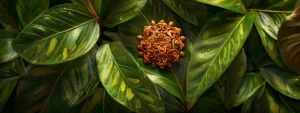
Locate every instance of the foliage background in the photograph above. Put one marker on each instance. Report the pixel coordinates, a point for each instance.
(81, 56)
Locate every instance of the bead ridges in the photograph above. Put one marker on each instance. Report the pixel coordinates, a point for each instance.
(161, 44)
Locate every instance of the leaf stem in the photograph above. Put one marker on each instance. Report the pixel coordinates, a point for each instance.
(269, 11)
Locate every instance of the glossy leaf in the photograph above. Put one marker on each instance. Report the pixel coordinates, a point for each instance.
(283, 81)
(267, 25)
(123, 11)
(235, 86)
(233, 5)
(6, 50)
(7, 15)
(217, 45)
(29, 9)
(171, 103)
(57, 88)
(288, 40)
(100, 102)
(125, 81)
(230, 81)
(192, 11)
(251, 83)
(94, 6)
(61, 34)
(170, 79)
(266, 100)
(9, 77)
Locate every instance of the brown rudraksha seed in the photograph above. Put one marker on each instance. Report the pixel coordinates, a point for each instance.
(161, 44)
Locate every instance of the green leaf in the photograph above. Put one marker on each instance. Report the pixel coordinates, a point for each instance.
(61, 34)
(100, 102)
(124, 80)
(8, 15)
(123, 11)
(171, 79)
(251, 83)
(283, 6)
(283, 81)
(267, 25)
(266, 100)
(190, 10)
(288, 40)
(29, 9)
(217, 45)
(255, 51)
(172, 104)
(9, 77)
(209, 103)
(57, 88)
(235, 86)
(233, 5)
(6, 50)
(94, 6)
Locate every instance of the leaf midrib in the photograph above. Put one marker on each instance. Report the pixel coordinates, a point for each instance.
(218, 55)
(125, 79)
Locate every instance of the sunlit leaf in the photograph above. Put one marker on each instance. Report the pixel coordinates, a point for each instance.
(57, 88)
(123, 11)
(29, 9)
(233, 5)
(288, 40)
(61, 34)
(192, 11)
(6, 50)
(9, 77)
(125, 81)
(217, 45)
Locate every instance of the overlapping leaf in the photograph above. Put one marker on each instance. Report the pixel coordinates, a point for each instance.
(29, 9)
(166, 78)
(172, 104)
(125, 81)
(267, 25)
(233, 5)
(57, 88)
(123, 11)
(9, 77)
(217, 45)
(267, 100)
(285, 82)
(235, 86)
(192, 11)
(6, 51)
(61, 34)
(288, 40)
(100, 102)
